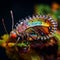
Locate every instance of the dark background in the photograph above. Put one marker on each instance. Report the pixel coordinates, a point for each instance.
(21, 9)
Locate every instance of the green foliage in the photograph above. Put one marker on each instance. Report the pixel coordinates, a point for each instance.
(42, 9)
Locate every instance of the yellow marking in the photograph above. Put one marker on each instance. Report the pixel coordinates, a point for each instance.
(45, 24)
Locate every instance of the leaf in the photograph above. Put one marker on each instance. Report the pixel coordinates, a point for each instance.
(5, 37)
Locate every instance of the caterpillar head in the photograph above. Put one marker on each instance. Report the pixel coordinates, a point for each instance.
(13, 34)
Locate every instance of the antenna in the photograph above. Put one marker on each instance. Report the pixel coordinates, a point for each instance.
(11, 12)
(4, 25)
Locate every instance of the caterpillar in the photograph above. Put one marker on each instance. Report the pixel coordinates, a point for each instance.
(45, 25)
(34, 31)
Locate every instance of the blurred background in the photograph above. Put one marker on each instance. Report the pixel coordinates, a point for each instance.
(21, 9)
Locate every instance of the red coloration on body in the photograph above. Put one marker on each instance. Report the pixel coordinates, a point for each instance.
(13, 35)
